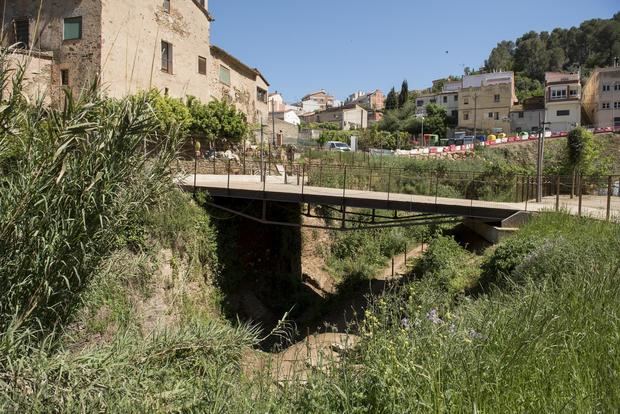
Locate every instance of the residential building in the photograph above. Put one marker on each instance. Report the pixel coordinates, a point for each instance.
(276, 102)
(132, 46)
(487, 79)
(423, 99)
(374, 117)
(236, 83)
(485, 101)
(601, 97)
(285, 132)
(320, 99)
(350, 116)
(528, 115)
(289, 116)
(563, 100)
(486, 108)
(374, 101)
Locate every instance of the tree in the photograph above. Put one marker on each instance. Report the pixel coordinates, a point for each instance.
(391, 101)
(527, 87)
(404, 94)
(171, 113)
(217, 121)
(580, 149)
(501, 57)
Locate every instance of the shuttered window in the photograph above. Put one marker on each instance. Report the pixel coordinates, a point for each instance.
(202, 65)
(73, 28)
(166, 57)
(224, 75)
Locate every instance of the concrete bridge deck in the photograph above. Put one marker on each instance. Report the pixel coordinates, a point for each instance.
(275, 189)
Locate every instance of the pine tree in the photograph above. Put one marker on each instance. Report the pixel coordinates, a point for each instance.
(404, 94)
(391, 101)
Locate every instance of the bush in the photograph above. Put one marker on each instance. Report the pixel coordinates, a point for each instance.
(498, 269)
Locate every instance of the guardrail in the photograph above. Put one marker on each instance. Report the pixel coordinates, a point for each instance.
(580, 194)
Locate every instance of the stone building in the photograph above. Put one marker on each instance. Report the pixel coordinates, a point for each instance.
(37, 75)
(320, 100)
(234, 82)
(132, 46)
(350, 116)
(601, 98)
(486, 108)
(528, 115)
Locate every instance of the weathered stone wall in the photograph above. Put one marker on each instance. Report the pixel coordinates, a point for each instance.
(242, 91)
(81, 57)
(131, 47)
(37, 77)
(475, 105)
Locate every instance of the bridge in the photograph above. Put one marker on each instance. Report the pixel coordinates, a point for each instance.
(415, 197)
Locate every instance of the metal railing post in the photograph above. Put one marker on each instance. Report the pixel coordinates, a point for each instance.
(297, 174)
(580, 193)
(195, 171)
(557, 193)
(389, 183)
(527, 192)
(303, 180)
(344, 184)
(609, 194)
(436, 187)
(228, 183)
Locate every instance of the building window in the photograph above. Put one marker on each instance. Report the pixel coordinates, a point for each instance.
(455, 114)
(617, 87)
(465, 116)
(166, 57)
(573, 92)
(558, 94)
(563, 113)
(167, 6)
(261, 95)
(224, 75)
(22, 33)
(433, 100)
(616, 105)
(496, 98)
(605, 105)
(465, 101)
(420, 103)
(606, 88)
(73, 28)
(497, 116)
(456, 98)
(445, 99)
(64, 77)
(490, 114)
(521, 114)
(202, 65)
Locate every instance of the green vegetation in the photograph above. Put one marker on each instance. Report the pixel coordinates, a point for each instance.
(391, 100)
(593, 44)
(218, 122)
(109, 302)
(403, 96)
(405, 120)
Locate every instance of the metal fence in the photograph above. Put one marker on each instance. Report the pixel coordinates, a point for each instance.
(581, 195)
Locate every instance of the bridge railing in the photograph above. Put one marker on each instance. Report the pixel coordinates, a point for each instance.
(580, 194)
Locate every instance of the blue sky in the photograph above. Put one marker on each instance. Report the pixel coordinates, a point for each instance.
(348, 45)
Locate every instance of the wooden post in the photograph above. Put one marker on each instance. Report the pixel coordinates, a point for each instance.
(609, 193)
(580, 194)
(557, 193)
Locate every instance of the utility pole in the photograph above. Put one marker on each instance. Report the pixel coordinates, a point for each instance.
(423, 130)
(541, 156)
(475, 113)
(273, 121)
(262, 155)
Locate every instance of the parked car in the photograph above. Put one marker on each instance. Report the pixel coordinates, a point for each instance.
(337, 146)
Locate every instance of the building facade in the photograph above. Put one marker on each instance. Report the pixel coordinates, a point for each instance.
(601, 98)
(289, 116)
(129, 46)
(276, 102)
(234, 82)
(320, 100)
(486, 108)
(562, 100)
(348, 117)
(528, 116)
(374, 101)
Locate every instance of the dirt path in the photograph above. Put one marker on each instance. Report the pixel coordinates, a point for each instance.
(400, 264)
